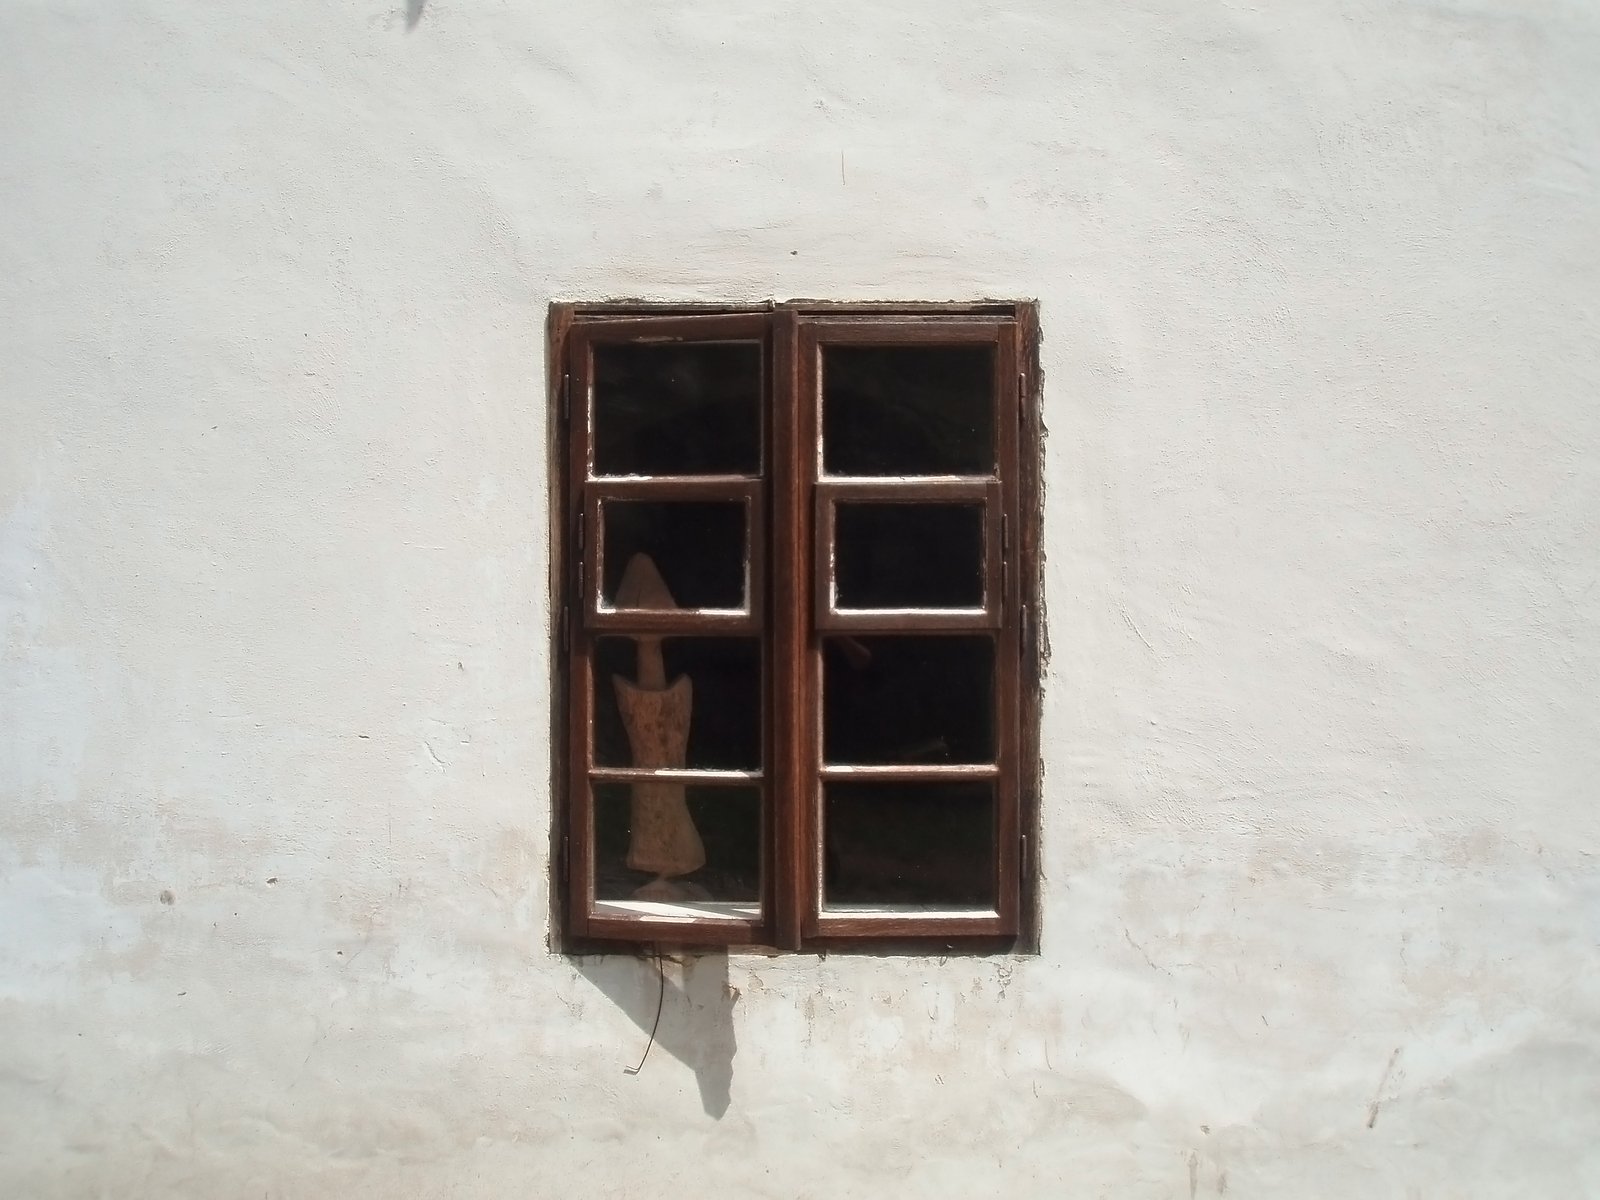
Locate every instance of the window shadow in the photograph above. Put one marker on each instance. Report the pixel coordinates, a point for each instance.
(696, 1007)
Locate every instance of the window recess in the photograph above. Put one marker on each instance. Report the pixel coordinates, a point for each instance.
(795, 701)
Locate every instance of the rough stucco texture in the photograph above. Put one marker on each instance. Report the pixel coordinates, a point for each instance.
(1319, 288)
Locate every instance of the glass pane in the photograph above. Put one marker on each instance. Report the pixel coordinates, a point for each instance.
(908, 700)
(909, 845)
(677, 702)
(677, 844)
(673, 554)
(908, 410)
(908, 555)
(677, 410)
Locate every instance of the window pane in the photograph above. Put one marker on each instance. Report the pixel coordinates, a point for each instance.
(908, 555)
(678, 844)
(693, 554)
(677, 702)
(908, 410)
(677, 410)
(909, 845)
(908, 700)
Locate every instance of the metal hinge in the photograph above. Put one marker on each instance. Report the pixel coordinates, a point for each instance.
(1005, 558)
(1027, 857)
(566, 397)
(580, 532)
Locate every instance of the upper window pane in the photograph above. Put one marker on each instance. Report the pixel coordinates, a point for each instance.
(908, 555)
(677, 409)
(908, 410)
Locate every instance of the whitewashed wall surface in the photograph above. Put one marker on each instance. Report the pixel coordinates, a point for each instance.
(1320, 296)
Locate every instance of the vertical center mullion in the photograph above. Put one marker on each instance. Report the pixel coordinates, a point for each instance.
(790, 450)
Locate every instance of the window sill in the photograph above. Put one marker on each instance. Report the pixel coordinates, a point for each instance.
(683, 911)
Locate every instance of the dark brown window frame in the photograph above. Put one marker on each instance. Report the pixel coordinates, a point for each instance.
(788, 607)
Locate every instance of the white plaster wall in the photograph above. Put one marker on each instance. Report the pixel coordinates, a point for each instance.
(1319, 285)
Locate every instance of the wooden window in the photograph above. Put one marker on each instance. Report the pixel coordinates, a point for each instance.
(797, 577)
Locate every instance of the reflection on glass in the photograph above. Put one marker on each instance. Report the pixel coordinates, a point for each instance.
(908, 410)
(908, 555)
(909, 845)
(723, 679)
(728, 823)
(698, 548)
(908, 700)
(677, 409)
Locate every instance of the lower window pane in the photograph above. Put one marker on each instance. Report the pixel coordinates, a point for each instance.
(692, 846)
(677, 702)
(927, 699)
(895, 846)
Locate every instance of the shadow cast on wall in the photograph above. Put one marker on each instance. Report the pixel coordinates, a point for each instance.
(414, 12)
(696, 1006)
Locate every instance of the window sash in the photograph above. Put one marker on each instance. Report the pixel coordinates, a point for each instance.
(749, 619)
(829, 616)
(815, 335)
(588, 916)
